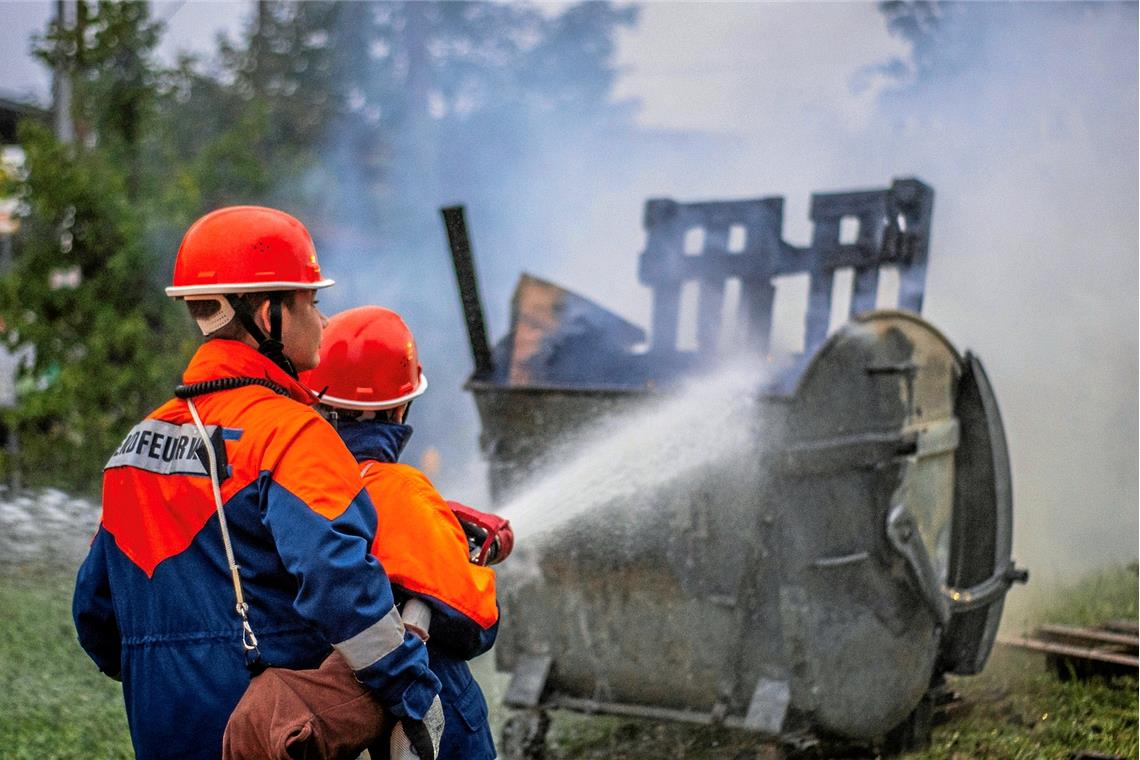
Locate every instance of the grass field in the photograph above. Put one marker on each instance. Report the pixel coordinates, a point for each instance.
(53, 701)
(55, 705)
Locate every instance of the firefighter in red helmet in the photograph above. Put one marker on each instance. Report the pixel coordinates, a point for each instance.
(238, 487)
(238, 266)
(435, 551)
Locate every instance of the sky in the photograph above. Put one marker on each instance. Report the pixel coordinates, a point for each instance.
(1026, 127)
(191, 26)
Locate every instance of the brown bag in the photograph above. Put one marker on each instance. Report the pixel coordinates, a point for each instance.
(321, 714)
(312, 714)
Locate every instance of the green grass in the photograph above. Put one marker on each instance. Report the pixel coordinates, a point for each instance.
(55, 704)
(1016, 709)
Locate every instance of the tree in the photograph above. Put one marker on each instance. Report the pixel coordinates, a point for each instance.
(84, 290)
(360, 118)
(252, 131)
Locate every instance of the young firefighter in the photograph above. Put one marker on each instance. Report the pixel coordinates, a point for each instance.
(154, 600)
(368, 375)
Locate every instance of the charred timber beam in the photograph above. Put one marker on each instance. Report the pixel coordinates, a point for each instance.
(1123, 626)
(714, 242)
(464, 264)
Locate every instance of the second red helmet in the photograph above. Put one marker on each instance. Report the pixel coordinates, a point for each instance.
(368, 361)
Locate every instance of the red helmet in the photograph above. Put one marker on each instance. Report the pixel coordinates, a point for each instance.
(245, 249)
(368, 361)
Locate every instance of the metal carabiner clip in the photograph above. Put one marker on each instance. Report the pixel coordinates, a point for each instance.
(248, 639)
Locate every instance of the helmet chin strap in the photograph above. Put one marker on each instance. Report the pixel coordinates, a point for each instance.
(270, 346)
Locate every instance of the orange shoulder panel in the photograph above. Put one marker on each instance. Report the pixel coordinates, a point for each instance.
(422, 546)
(299, 449)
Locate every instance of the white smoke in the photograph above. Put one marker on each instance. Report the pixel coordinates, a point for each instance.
(1022, 116)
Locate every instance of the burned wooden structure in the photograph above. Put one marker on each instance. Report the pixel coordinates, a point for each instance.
(820, 581)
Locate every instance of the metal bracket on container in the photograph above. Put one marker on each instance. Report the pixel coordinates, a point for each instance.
(528, 681)
(852, 452)
(986, 592)
(907, 368)
(768, 707)
(902, 531)
(842, 560)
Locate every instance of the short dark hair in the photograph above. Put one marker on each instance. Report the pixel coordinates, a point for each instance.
(234, 330)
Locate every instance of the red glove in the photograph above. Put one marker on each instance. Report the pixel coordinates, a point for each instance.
(489, 537)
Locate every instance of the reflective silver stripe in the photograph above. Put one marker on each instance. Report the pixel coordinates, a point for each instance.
(347, 403)
(181, 291)
(162, 447)
(381, 638)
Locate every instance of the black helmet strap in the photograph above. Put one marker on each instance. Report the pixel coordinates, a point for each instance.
(271, 346)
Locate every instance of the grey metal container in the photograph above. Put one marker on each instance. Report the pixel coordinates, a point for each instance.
(820, 579)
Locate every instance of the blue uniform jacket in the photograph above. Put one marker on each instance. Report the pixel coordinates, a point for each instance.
(154, 601)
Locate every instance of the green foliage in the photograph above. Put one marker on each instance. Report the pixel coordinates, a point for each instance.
(410, 101)
(109, 55)
(1096, 598)
(252, 132)
(104, 354)
(1019, 712)
(84, 290)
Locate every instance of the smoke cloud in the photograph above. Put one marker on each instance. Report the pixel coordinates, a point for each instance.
(1023, 117)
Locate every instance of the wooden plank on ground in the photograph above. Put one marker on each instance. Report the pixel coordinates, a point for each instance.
(1066, 650)
(1088, 635)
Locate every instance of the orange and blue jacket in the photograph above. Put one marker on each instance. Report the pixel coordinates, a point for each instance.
(154, 601)
(421, 544)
